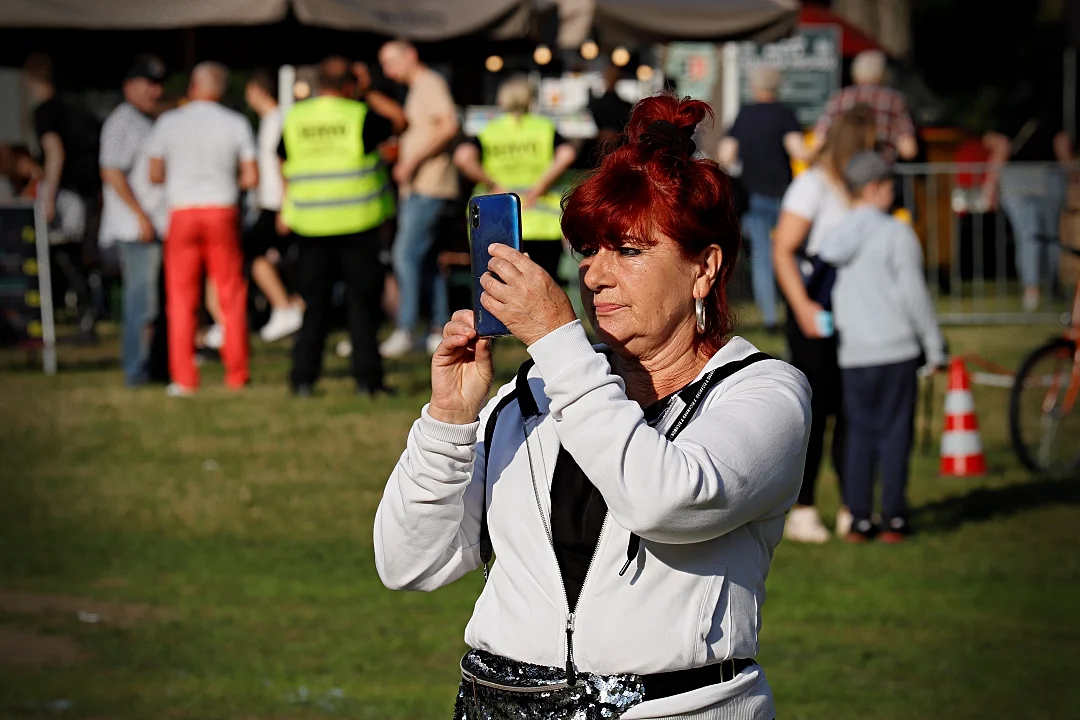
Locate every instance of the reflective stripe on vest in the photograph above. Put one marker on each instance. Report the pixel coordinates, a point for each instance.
(517, 151)
(335, 187)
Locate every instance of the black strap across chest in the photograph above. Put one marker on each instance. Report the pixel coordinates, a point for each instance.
(691, 395)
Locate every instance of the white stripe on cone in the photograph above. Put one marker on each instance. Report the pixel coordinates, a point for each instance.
(959, 402)
(955, 443)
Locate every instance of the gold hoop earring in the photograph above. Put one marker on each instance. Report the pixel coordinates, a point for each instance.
(699, 314)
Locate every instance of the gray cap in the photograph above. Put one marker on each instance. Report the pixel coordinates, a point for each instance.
(864, 168)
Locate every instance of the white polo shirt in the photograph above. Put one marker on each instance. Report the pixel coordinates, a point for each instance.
(202, 144)
(123, 147)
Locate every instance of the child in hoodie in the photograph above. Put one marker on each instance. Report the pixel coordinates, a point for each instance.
(884, 321)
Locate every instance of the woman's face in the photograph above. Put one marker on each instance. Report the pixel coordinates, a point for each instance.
(640, 298)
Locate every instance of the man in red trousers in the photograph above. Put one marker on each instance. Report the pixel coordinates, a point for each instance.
(204, 153)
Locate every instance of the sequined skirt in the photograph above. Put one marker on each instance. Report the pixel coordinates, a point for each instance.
(497, 688)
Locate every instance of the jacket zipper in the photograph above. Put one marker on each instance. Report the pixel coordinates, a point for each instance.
(571, 616)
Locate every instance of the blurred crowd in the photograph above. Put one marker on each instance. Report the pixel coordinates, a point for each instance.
(347, 211)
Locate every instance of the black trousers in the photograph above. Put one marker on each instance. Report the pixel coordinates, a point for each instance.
(879, 404)
(816, 358)
(355, 257)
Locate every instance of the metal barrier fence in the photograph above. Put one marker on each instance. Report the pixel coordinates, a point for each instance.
(974, 249)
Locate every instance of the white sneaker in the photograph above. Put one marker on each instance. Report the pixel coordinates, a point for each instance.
(844, 518)
(343, 349)
(804, 525)
(1031, 299)
(214, 337)
(176, 390)
(434, 340)
(399, 344)
(283, 322)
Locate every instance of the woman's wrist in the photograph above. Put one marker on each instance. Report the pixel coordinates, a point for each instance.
(450, 417)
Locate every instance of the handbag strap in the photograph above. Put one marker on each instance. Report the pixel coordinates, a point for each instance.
(691, 395)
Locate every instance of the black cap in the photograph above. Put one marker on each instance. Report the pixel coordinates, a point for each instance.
(147, 66)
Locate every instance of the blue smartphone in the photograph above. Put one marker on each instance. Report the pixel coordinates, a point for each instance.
(492, 219)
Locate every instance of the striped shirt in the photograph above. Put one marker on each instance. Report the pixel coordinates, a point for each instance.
(893, 119)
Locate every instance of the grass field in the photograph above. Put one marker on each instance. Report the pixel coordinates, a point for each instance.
(211, 558)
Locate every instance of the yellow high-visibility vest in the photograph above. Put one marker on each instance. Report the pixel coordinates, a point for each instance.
(335, 184)
(517, 151)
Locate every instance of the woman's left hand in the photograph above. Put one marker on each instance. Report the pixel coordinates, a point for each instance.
(528, 301)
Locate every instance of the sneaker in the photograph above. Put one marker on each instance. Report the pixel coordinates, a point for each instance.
(283, 322)
(343, 349)
(860, 532)
(176, 390)
(399, 344)
(894, 531)
(804, 525)
(434, 340)
(844, 518)
(214, 337)
(1031, 299)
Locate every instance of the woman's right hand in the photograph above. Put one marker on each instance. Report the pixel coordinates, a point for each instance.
(461, 372)
(806, 316)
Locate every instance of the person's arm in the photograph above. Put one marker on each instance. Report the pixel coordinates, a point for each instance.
(247, 158)
(53, 149)
(796, 147)
(427, 527)
(790, 234)
(565, 154)
(389, 108)
(467, 161)
(446, 128)
(157, 170)
(999, 147)
(903, 129)
(728, 151)
(915, 296)
(117, 180)
(738, 461)
(249, 175)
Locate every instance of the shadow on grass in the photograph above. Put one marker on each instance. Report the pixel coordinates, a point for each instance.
(985, 504)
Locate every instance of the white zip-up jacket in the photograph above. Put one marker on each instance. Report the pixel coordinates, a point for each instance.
(709, 508)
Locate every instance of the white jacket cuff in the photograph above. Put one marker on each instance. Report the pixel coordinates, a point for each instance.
(447, 432)
(561, 349)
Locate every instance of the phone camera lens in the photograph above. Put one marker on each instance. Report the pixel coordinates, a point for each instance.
(474, 214)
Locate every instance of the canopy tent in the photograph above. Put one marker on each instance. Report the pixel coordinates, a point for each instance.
(422, 20)
(666, 20)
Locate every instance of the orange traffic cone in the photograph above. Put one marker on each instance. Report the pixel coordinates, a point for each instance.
(961, 446)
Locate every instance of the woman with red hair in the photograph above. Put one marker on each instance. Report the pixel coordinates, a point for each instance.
(632, 492)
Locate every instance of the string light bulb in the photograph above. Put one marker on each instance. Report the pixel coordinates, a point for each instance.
(644, 73)
(590, 50)
(542, 54)
(620, 56)
(494, 63)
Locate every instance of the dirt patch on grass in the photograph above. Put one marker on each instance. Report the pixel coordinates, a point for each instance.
(26, 647)
(87, 610)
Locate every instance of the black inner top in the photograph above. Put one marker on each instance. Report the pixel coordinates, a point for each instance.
(577, 514)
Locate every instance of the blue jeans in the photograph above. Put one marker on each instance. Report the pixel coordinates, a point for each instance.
(1033, 198)
(759, 221)
(418, 218)
(140, 265)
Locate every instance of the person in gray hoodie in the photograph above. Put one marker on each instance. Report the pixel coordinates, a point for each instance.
(885, 323)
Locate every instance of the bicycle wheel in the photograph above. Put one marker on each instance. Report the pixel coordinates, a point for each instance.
(1045, 435)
